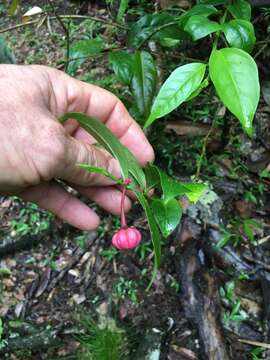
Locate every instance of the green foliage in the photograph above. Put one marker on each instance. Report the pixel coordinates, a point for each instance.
(81, 51)
(159, 26)
(240, 9)
(240, 34)
(257, 353)
(122, 9)
(239, 230)
(102, 341)
(128, 163)
(177, 88)
(237, 84)
(167, 214)
(236, 313)
(6, 55)
(98, 170)
(31, 221)
(126, 289)
(2, 341)
(13, 7)
(199, 26)
(130, 168)
(144, 82)
(123, 65)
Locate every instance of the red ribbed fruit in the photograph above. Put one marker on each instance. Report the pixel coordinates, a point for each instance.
(127, 239)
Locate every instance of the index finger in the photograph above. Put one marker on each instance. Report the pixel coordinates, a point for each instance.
(74, 95)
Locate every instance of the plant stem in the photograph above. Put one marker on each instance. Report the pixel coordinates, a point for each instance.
(123, 215)
(217, 36)
(63, 17)
(205, 142)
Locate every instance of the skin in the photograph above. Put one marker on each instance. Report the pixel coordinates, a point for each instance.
(36, 151)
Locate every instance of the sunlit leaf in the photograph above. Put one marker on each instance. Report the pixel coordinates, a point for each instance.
(237, 84)
(177, 88)
(127, 161)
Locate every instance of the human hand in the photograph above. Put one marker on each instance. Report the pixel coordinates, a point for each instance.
(35, 149)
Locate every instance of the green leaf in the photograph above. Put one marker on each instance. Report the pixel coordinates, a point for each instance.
(152, 176)
(128, 163)
(195, 93)
(200, 9)
(195, 192)
(122, 9)
(240, 34)
(154, 26)
(6, 55)
(155, 235)
(199, 26)
(13, 7)
(144, 82)
(212, 2)
(240, 9)
(237, 84)
(171, 187)
(81, 51)
(123, 65)
(177, 88)
(167, 214)
(99, 170)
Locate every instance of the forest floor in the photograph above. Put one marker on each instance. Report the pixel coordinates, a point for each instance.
(52, 276)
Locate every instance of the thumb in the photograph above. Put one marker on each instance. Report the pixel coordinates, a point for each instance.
(79, 152)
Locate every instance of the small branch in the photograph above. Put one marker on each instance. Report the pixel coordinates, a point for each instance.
(205, 142)
(66, 31)
(18, 26)
(82, 17)
(106, 22)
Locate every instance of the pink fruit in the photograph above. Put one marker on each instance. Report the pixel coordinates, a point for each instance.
(127, 239)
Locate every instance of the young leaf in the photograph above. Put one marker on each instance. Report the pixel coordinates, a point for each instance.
(195, 191)
(240, 34)
(128, 163)
(237, 84)
(144, 82)
(123, 65)
(99, 170)
(81, 51)
(170, 187)
(167, 214)
(240, 9)
(200, 9)
(199, 26)
(155, 235)
(177, 88)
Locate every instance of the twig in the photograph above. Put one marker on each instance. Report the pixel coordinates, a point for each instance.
(255, 343)
(18, 26)
(205, 142)
(258, 262)
(64, 17)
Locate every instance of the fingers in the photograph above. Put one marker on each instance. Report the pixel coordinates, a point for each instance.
(73, 95)
(108, 198)
(53, 197)
(78, 152)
